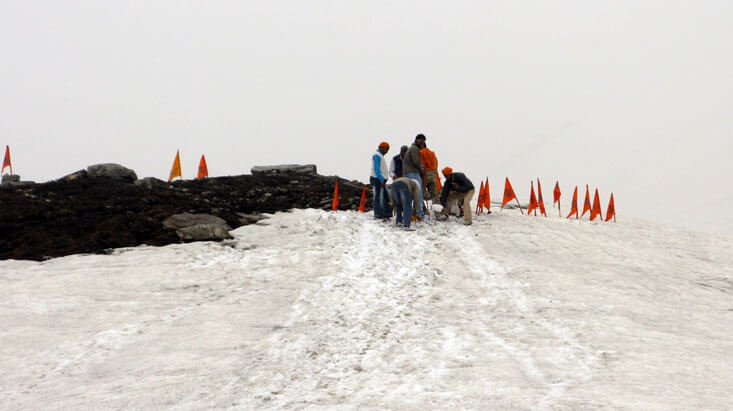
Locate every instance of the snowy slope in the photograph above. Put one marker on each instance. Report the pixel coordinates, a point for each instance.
(315, 309)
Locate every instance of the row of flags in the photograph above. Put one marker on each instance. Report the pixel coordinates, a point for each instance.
(203, 170)
(484, 197)
(535, 201)
(176, 169)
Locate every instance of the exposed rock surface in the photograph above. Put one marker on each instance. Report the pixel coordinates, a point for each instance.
(75, 175)
(198, 227)
(86, 214)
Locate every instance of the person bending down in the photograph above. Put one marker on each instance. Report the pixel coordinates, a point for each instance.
(457, 187)
(406, 196)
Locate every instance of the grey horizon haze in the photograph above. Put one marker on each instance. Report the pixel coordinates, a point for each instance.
(630, 97)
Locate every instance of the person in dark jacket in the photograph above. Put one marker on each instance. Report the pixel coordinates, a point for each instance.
(395, 167)
(412, 168)
(456, 187)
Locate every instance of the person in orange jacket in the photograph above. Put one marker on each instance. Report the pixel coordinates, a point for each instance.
(430, 177)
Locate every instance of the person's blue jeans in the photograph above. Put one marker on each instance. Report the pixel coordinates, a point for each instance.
(380, 201)
(402, 203)
(420, 207)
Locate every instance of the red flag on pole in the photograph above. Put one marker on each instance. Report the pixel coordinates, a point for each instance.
(176, 169)
(556, 193)
(335, 204)
(574, 204)
(539, 198)
(532, 201)
(509, 195)
(596, 209)
(487, 197)
(611, 211)
(6, 161)
(362, 203)
(480, 202)
(203, 170)
(586, 205)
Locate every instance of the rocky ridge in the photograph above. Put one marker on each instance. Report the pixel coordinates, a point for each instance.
(93, 212)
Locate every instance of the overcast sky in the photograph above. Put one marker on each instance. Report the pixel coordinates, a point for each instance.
(634, 97)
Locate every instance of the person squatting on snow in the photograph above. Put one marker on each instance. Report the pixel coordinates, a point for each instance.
(456, 187)
(378, 180)
(395, 167)
(406, 196)
(430, 178)
(412, 168)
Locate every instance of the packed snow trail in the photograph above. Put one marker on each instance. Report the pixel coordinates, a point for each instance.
(316, 309)
(409, 327)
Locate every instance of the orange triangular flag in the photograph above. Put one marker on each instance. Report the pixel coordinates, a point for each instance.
(556, 198)
(509, 195)
(532, 201)
(596, 209)
(6, 161)
(335, 204)
(203, 170)
(574, 204)
(556, 194)
(611, 211)
(480, 202)
(539, 198)
(586, 204)
(487, 197)
(362, 203)
(176, 170)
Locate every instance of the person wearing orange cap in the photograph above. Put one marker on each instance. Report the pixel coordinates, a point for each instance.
(456, 187)
(378, 180)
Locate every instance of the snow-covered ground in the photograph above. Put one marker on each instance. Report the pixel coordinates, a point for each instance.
(311, 309)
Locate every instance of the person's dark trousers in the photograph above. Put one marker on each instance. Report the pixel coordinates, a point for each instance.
(402, 203)
(380, 201)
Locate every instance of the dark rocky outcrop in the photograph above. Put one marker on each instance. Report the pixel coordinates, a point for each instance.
(81, 213)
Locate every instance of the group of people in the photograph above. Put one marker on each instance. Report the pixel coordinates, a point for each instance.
(414, 174)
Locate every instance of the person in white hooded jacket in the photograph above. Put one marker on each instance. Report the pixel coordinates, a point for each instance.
(378, 180)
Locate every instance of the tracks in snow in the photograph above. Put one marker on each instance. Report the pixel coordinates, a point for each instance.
(394, 316)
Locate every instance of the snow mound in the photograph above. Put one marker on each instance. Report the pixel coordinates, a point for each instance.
(321, 309)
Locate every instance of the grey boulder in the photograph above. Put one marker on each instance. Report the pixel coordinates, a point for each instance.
(285, 168)
(10, 178)
(198, 227)
(114, 171)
